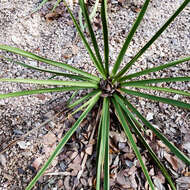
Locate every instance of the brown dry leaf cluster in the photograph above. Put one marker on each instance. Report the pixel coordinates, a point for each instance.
(76, 172)
(74, 167)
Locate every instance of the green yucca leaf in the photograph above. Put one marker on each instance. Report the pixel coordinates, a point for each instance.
(76, 77)
(103, 148)
(51, 82)
(105, 34)
(87, 46)
(84, 105)
(80, 100)
(129, 135)
(106, 125)
(163, 89)
(92, 15)
(159, 80)
(136, 121)
(40, 5)
(154, 69)
(72, 97)
(130, 117)
(39, 91)
(160, 31)
(153, 155)
(173, 148)
(91, 32)
(56, 4)
(48, 61)
(81, 20)
(129, 37)
(98, 144)
(157, 98)
(63, 141)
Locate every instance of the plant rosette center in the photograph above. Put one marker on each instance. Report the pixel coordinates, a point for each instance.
(107, 87)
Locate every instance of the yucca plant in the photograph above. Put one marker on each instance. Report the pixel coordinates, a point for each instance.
(110, 87)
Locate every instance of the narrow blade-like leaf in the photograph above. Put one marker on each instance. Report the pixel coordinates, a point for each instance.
(76, 77)
(159, 80)
(105, 34)
(56, 4)
(101, 155)
(48, 61)
(61, 144)
(91, 32)
(132, 120)
(129, 37)
(80, 100)
(154, 69)
(51, 82)
(106, 156)
(129, 135)
(39, 91)
(98, 143)
(40, 5)
(172, 147)
(72, 97)
(84, 105)
(160, 31)
(92, 56)
(93, 13)
(157, 98)
(169, 90)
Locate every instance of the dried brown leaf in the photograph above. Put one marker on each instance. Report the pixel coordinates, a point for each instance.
(172, 160)
(89, 149)
(66, 183)
(123, 181)
(183, 182)
(49, 139)
(37, 162)
(52, 16)
(74, 49)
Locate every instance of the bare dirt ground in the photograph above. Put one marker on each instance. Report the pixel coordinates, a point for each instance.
(57, 39)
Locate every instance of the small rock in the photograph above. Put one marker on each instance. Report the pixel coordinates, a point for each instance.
(3, 160)
(21, 171)
(129, 163)
(176, 97)
(158, 184)
(149, 117)
(121, 145)
(17, 132)
(187, 146)
(22, 144)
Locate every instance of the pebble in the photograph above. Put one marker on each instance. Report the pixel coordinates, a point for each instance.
(3, 160)
(22, 144)
(129, 163)
(149, 117)
(187, 146)
(17, 132)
